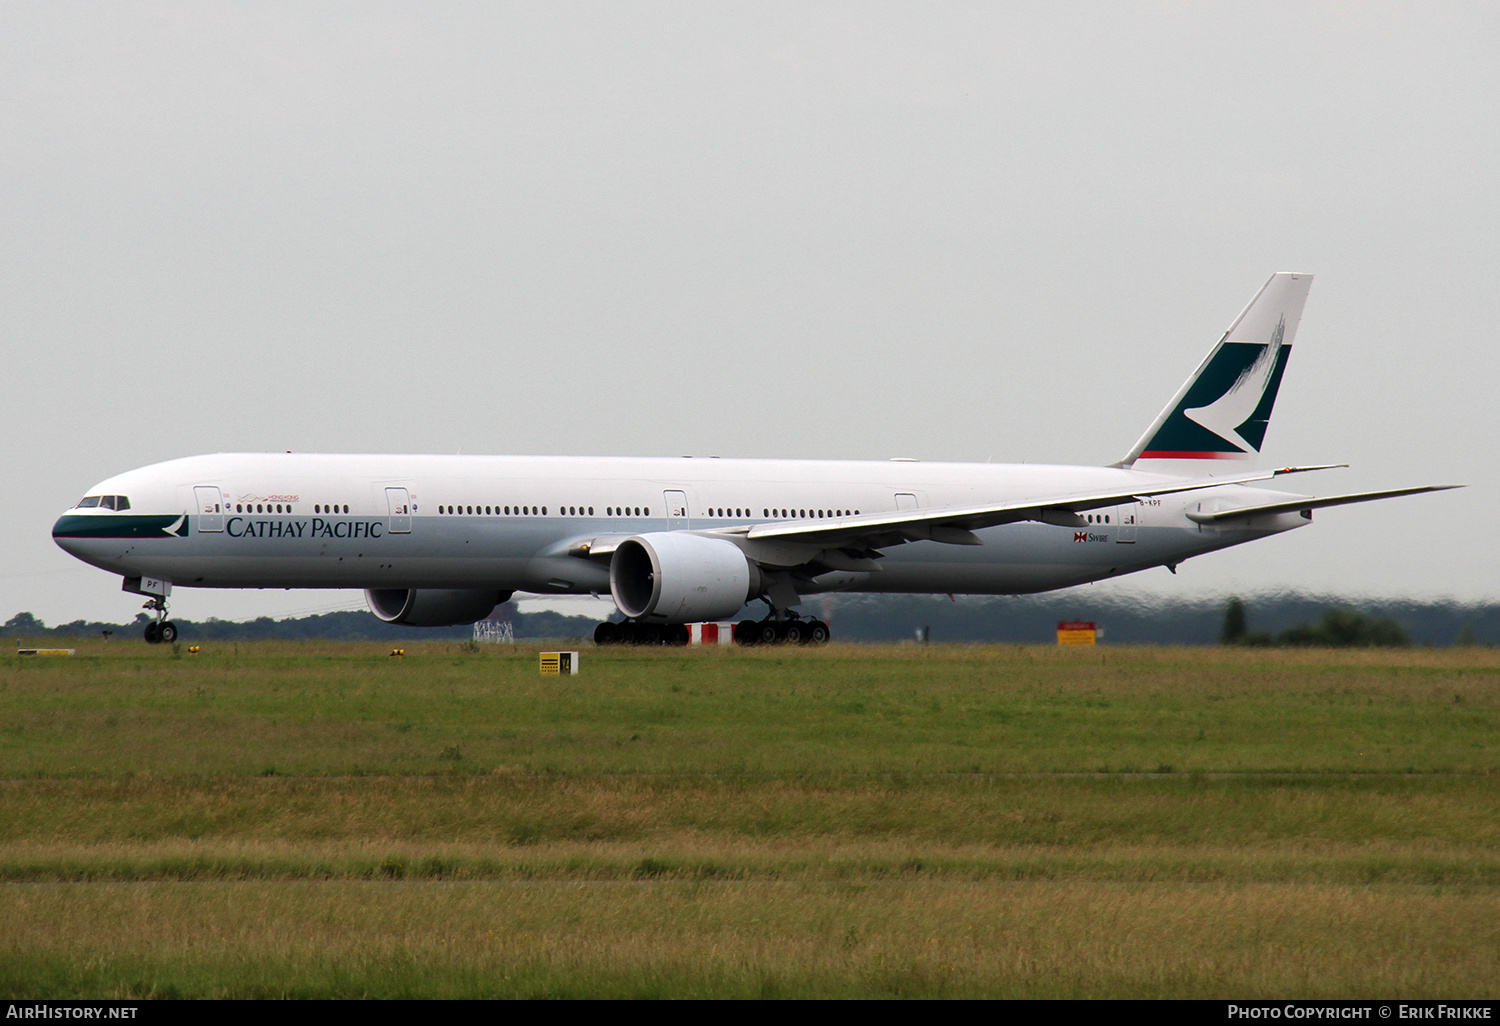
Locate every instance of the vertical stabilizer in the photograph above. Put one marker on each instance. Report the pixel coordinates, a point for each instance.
(1217, 420)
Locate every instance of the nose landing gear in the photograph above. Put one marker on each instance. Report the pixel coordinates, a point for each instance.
(156, 591)
(162, 631)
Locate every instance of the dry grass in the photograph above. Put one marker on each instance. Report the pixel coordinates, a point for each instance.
(1410, 829)
(784, 939)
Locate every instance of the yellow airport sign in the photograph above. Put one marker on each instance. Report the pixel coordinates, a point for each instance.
(559, 664)
(1077, 632)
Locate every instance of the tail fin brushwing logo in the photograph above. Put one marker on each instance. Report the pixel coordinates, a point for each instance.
(1236, 408)
(1225, 412)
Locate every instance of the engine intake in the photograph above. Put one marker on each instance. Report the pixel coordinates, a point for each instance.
(432, 607)
(670, 577)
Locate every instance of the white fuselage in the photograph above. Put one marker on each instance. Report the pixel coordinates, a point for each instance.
(340, 521)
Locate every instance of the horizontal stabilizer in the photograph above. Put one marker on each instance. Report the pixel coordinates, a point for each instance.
(1310, 504)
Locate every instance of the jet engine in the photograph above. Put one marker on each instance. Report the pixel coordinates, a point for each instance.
(670, 577)
(432, 607)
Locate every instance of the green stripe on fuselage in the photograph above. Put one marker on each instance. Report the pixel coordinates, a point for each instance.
(126, 525)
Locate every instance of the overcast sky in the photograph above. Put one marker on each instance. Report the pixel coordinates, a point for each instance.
(957, 231)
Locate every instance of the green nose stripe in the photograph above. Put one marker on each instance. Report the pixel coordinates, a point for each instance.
(122, 526)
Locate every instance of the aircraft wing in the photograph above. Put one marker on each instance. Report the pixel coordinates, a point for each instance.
(1309, 504)
(955, 525)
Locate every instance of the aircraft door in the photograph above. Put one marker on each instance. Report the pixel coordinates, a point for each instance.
(400, 506)
(1125, 521)
(210, 508)
(677, 510)
(906, 500)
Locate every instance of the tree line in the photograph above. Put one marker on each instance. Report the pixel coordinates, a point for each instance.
(1283, 619)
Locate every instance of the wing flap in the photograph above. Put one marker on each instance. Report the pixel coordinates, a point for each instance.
(1310, 504)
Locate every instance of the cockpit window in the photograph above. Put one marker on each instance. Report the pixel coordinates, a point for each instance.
(114, 502)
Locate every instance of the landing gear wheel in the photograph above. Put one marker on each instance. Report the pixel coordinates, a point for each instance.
(606, 634)
(746, 632)
(161, 629)
(647, 634)
(817, 633)
(678, 635)
(766, 633)
(795, 632)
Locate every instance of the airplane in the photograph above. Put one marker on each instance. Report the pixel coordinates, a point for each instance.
(442, 540)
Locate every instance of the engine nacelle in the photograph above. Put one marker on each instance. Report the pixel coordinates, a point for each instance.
(670, 577)
(432, 607)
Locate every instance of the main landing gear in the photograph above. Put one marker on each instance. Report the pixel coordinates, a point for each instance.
(781, 626)
(633, 632)
(781, 632)
(746, 632)
(162, 631)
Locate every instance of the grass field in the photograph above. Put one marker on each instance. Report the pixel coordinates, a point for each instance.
(323, 820)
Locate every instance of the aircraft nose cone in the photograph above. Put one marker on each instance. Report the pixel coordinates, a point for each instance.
(78, 536)
(64, 536)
